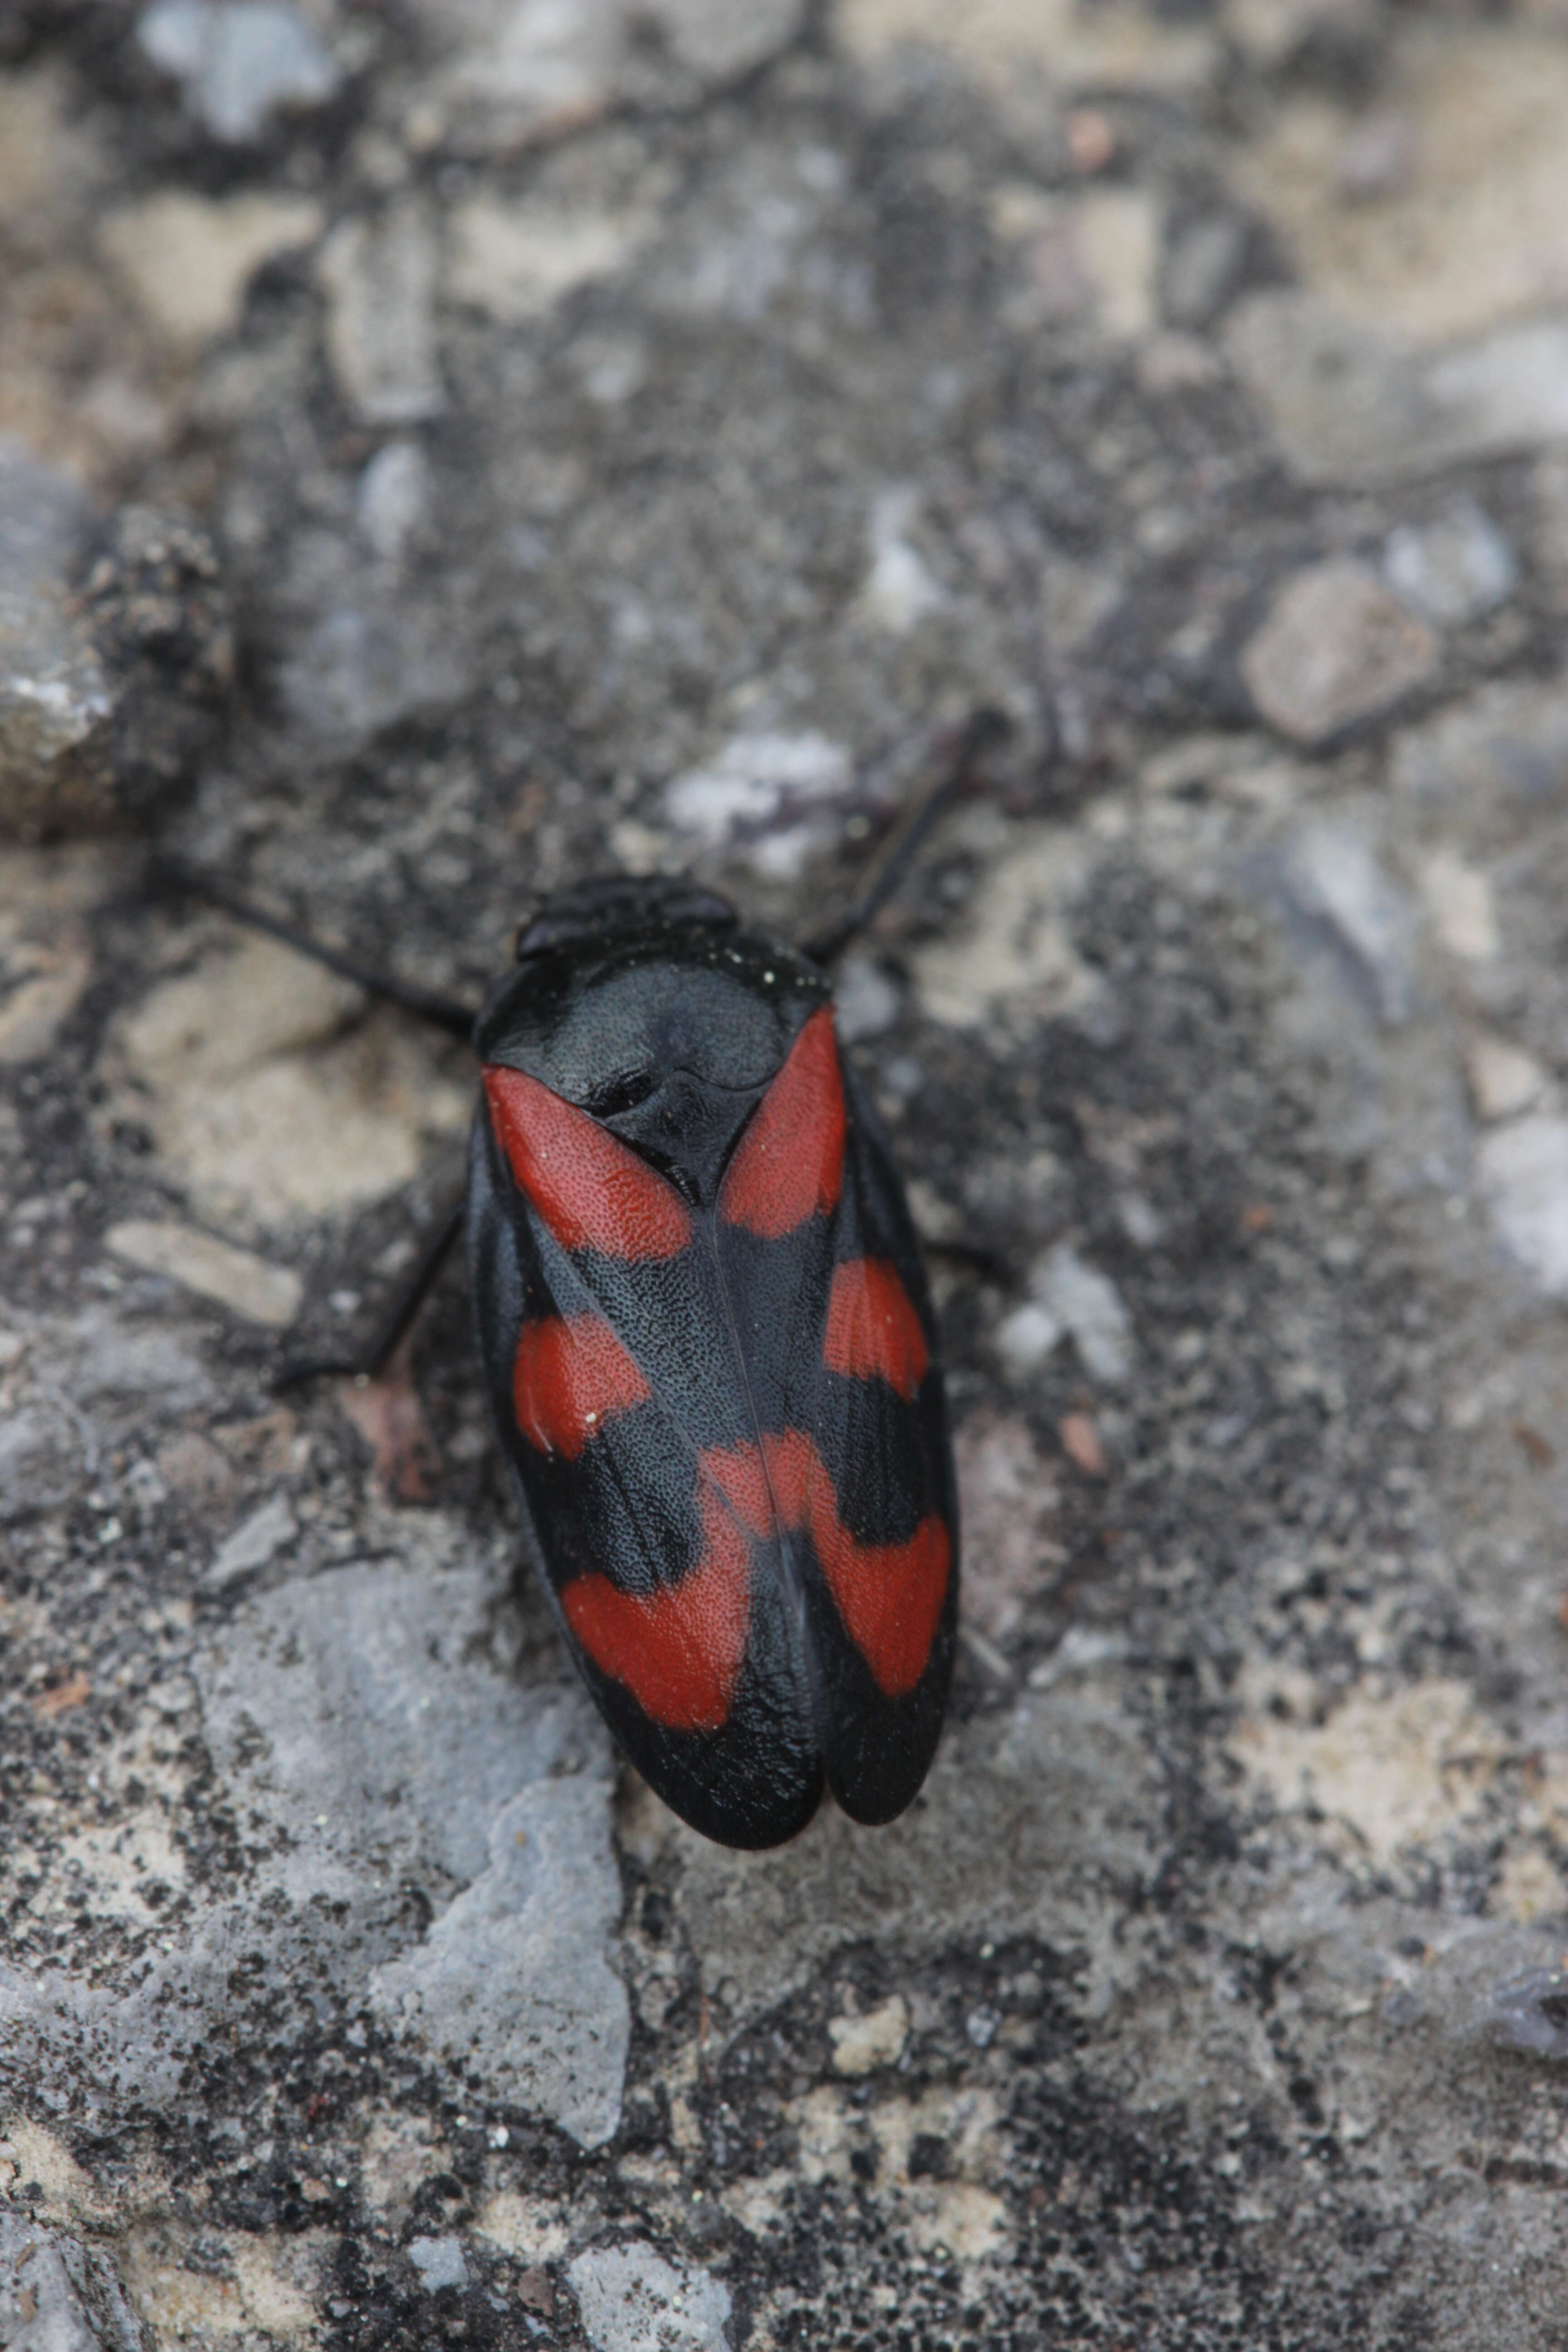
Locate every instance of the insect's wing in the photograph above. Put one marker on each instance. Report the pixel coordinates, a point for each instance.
(880, 1418)
(820, 1262)
(615, 1388)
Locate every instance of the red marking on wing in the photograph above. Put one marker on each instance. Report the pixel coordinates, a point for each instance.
(873, 1331)
(678, 1652)
(790, 1162)
(591, 1190)
(889, 1595)
(570, 1374)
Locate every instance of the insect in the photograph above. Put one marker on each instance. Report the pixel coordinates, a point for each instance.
(708, 1347)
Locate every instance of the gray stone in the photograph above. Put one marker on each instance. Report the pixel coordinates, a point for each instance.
(157, 603)
(387, 1749)
(1455, 568)
(270, 1528)
(1502, 750)
(366, 664)
(370, 1744)
(512, 71)
(440, 2261)
(393, 500)
(1203, 269)
(512, 1985)
(1523, 1170)
(1335, 884)
(379, 274)
(867, 1000)
(770, 792)
(1090, 1307)
(1348, 405)
(1335, 648)
(1067, 1785)
(115, 1364)
(59, 2295)
(383, 1740)
(1524, 2012)
(41, 1457)
(239, 62)
(632, 2300)
(111, 685)
(1378, 157)
(1069, 1297)
(57, 703)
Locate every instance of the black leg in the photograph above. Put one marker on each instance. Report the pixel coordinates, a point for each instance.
(374, 1357)
(441, 1012)
(980, 732)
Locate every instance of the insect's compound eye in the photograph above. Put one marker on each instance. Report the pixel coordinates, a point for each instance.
(623, 1092)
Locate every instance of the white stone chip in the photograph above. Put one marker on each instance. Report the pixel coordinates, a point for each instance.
(255, 1541)
(1086, 1304)
(512, 71)
(1336, 648)
(514, 262)
(1026, 1338)
(56, 703)
(380, 277)
(865, 1001)
(1461, 906)
(238, 61)
(771, 790)
(1349, 403)
(1335, 878)
(900, 588)
(1504, 1079)
(1523, 1170)
(1453, 569)
(439, 2262)
(860, 2044)
(392, 499)
(188, 259)
(215, 1269)
(632, 2300)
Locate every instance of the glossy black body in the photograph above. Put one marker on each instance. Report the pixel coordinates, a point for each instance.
(649, 1007)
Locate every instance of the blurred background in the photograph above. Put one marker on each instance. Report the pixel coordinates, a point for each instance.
(450, 448)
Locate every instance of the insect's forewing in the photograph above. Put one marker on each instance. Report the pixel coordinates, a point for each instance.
(617, 1390)
(838, 1341)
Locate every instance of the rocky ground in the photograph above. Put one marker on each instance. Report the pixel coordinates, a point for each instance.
(454, 448)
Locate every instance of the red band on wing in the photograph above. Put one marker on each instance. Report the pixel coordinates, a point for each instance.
(591, 1190)
(678, 1652)
(790, 1162)
(873, 1331)
(570, 1374)
(889, 1595)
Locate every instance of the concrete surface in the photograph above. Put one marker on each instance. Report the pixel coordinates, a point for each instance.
(454, 448)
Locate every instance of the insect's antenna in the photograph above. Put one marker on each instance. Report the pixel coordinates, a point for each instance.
(980, 731)
(440, 1011)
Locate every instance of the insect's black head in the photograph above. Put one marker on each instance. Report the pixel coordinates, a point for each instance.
(619, 904)
(646, 1004)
